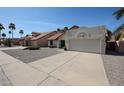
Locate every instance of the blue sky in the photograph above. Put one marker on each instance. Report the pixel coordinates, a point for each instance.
(49, 19)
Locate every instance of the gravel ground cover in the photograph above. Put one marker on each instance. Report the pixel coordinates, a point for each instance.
(114, 67)
(28, 56)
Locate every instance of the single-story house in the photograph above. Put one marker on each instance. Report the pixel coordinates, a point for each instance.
(25, 41)
(57, 40)
(86, 39)
(41, 39)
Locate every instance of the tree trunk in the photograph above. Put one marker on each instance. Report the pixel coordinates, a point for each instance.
(12, 34)
(9, 36)
(0, 35)
(12, 39)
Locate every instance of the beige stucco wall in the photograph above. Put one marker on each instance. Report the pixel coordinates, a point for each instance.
(55, 43)
(34, 43)
(27, 43)
(48, 43)
(92, 39)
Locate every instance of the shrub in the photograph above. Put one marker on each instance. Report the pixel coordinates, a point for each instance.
(65, 48)
(33, 48)
(51, 46)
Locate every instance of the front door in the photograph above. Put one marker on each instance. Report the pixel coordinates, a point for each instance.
(62, 43)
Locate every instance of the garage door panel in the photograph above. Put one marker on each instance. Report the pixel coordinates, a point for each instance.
(85, 45)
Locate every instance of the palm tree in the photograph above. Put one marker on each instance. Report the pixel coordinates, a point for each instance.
(9, 33)
(12, 27)
(3, 35)
(21, 32)
(1, 28)
(119, 13)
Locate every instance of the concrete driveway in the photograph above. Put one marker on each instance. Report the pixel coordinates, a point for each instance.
(73, 68)
(67, 68)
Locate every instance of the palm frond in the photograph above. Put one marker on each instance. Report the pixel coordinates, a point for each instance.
(119, 13)
(12, 26)
(1, 27)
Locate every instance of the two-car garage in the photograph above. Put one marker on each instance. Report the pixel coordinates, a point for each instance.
(87, 40)
(85, 45)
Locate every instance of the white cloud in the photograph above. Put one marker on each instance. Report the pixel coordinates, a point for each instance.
(40, 23)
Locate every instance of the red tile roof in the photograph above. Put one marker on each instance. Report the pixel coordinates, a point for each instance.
(41, 35)
(28, 37)
(35, 34)
(56, 36)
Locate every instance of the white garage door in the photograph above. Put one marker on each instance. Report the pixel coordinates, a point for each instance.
(85, 45)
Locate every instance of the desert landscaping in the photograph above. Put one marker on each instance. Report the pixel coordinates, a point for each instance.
(73, 55)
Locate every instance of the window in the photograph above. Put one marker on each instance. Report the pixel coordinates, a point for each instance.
(82, 35)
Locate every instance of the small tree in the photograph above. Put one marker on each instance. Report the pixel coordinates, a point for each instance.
(65, 28)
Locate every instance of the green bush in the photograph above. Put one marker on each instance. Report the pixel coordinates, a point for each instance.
(51, 46)
(34, 47)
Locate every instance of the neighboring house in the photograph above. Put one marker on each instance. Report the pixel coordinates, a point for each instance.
(57, 40)
(21, 41)
(86, 39)
(41, 39)
(25, 41)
